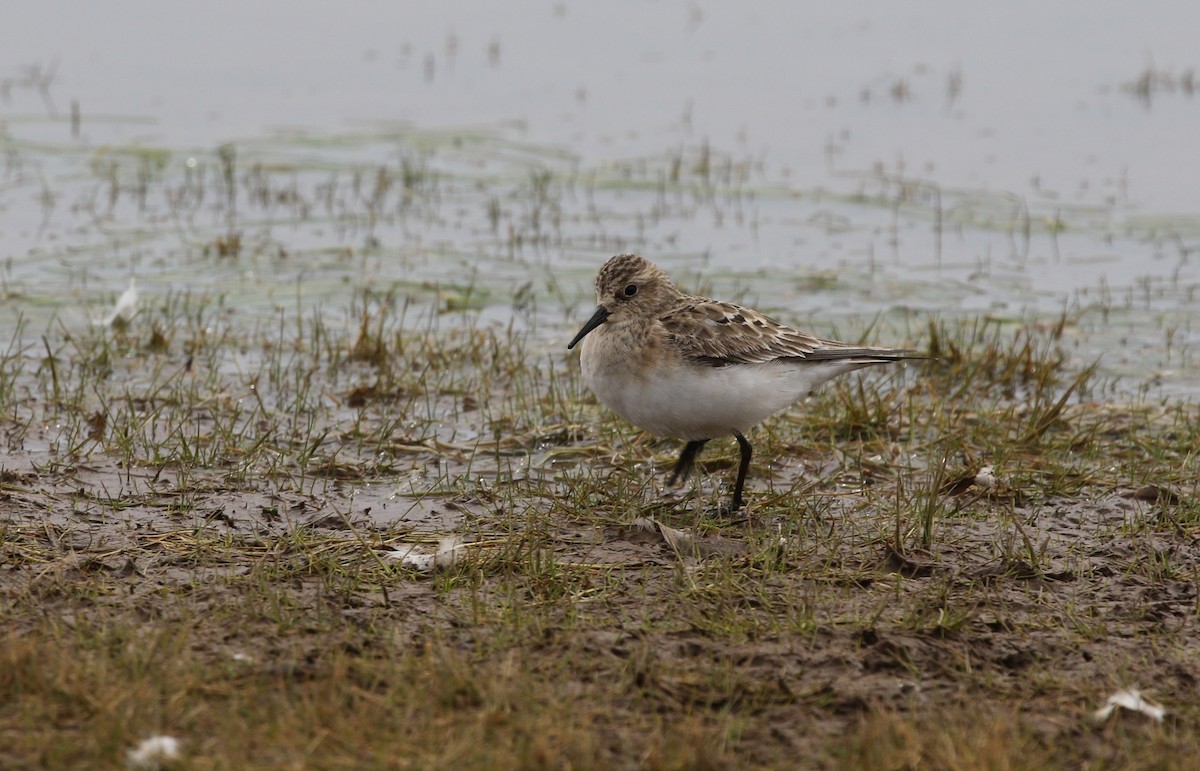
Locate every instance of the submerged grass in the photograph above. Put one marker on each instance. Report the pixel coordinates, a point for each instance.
(948, 565)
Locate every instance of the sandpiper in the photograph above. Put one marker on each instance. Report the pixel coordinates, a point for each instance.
(696, 369)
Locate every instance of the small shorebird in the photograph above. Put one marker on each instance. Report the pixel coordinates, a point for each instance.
(695, 369)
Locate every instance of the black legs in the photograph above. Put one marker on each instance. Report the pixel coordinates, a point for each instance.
(747, 451)
(687, 459)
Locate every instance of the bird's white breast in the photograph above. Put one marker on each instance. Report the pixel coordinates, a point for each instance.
(656, 389)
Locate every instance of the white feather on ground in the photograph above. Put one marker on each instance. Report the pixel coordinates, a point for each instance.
(448, 552)
(126, 307)
(154, 753)
(1130, 699)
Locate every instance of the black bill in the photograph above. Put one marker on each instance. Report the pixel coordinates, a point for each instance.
(596, 320)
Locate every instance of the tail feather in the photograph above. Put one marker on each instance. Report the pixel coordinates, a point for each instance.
(865, 356)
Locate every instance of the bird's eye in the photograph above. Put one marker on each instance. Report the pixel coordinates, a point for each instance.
(631, 290)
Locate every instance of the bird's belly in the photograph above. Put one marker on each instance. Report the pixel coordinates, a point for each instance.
(690, 402)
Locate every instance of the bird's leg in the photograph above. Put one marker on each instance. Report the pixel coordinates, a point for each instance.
(687, 459)
(747, 451)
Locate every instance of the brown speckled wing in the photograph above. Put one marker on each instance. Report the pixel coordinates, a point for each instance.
(721, 334)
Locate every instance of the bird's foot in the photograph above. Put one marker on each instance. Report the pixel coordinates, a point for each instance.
(735, 509)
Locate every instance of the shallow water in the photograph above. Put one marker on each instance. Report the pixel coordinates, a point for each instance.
(829, 164)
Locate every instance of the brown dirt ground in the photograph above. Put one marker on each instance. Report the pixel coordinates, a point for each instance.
(782, 636)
